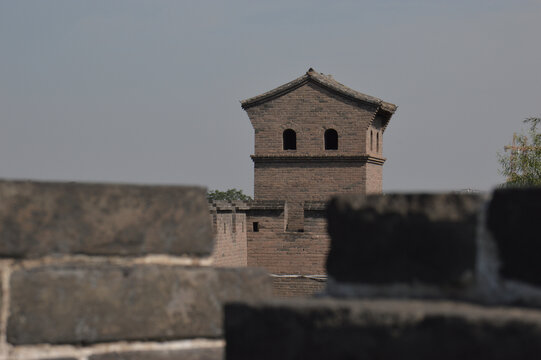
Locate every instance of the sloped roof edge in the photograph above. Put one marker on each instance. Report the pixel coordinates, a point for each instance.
(323, 80)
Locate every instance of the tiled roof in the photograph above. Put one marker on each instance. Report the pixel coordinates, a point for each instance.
(325, 81)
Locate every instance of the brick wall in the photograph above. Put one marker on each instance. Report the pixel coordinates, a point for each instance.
(307, 180)
(374, 137)
(374, 178)
(310, 172)
(309, 110)
(229, 229)
(301, 286)
(288, 252)
(100, 272)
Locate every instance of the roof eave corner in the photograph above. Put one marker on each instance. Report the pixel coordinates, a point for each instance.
(388, 107)
(386, 110)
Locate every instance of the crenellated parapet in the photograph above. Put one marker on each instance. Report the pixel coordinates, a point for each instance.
(412, 276)
(109, 271)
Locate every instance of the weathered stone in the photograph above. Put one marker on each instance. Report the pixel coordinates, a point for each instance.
(403, 238)
(88, 304)
(513, 219)
(38, 218)
(185, 354)
(1, 296)
(384, 329)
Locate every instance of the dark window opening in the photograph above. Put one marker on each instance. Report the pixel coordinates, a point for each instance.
(255, 226)
(290, 140)
(377, 142)
(331, 140)
(371, 140)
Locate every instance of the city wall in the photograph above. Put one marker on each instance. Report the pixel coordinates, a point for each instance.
(262, 237)
(103, 272)
(411, 276)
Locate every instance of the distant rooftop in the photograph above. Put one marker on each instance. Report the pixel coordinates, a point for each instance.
(326, 81)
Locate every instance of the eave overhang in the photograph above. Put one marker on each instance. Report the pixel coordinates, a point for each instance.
(325, 81)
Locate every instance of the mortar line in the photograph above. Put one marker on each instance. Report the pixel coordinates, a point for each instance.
(153, 259)
(40, 351)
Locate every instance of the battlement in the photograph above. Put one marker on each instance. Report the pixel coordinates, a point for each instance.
(412, 276)
(106, 271)
(114, 268)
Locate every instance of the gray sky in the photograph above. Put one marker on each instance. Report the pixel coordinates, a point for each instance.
(148, 91)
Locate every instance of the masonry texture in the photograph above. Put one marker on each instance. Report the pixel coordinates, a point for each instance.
(192, 354)
(102, 271)
(380, 329)
(229, 229)
(98, 303)
(314, 138)
(450, 298)
(370, 233)
(105, 271)
(309, 106)
(40, 218)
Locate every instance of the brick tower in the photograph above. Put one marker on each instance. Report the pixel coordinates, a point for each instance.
(315, 137)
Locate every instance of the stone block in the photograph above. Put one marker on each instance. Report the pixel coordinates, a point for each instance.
(39, 218)
(513, 219)
(403, 238)
(379, 329)
(184, 354)
(87, 304)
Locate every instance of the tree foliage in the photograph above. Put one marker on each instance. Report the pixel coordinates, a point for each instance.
(228, 195)
(521, 161)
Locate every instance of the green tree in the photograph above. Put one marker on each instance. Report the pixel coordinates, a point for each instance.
(228, 195)
(521, 161)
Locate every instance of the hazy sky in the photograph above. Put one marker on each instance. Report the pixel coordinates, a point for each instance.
(149, 91)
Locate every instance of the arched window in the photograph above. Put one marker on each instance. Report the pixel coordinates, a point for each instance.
(371, 140)
(290, 140)
(377, 141)
(331, 139)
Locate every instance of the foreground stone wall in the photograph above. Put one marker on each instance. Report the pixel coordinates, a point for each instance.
(291, 286)
(99, 272)
(412, 276)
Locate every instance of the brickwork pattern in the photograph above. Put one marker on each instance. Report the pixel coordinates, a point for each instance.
(294, 240)
(374, 178)
(290, 287)
(229, 229)
(310, 172)
(284, 252)
(85, 273)
(273, 247)
(308, 181)
(411, 276)
(309, 111)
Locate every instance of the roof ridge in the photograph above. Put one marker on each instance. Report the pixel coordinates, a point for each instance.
(324, 80)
